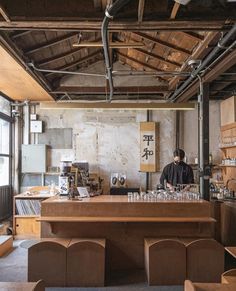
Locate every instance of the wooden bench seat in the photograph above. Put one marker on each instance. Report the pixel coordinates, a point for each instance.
(205, 260)
(22, 286)
(47, 261)
(165, 261)
(190, 286)
(86, 263)
(6, 244)
(229, 277)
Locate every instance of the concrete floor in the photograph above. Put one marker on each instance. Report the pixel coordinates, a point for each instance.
(13, 268)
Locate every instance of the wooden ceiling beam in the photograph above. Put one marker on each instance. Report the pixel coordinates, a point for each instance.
(163, 43)
(159, 58)
(19, 34)
(111, 44)
(70, 65)
(144, 65)
(141, 5)
(193, 35)
(220, 68)
(95, 25)
(51, 43)
(174, 10)
(58, 57)
(197, 54)
(4, 14)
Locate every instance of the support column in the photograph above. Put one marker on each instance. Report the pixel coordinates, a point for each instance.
(203, 118)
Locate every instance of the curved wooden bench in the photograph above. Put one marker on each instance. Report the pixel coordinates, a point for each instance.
(190, 286)
(20, 286)
(86, 262)
(47, 261)
(205, 260)
(165, 261)
(229, 277)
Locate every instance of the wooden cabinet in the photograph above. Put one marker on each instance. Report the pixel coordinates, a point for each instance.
(228, 147)
(27, 209)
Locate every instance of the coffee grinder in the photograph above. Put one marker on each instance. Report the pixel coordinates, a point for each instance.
(65, 178)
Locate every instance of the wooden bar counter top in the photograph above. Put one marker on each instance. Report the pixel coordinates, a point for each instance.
(125, 224)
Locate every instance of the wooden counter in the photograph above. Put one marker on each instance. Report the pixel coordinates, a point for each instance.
(124, 224)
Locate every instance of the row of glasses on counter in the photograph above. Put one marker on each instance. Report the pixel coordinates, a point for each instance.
(182, 192)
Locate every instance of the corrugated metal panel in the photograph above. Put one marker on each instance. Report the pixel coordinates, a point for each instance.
(5, 202)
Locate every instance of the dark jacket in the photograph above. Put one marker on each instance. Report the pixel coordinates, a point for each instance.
(177, 174)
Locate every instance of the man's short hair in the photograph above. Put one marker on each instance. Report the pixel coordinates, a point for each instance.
(179, 153)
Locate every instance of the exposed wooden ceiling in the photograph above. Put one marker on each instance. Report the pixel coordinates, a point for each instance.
(166, 34)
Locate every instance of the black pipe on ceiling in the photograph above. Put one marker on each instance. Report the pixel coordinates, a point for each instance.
(110, 12)
(221, 45)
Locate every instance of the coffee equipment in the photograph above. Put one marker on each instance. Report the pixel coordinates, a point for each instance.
(66, 178)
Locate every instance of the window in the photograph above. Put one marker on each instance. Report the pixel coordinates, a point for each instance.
(5, 145)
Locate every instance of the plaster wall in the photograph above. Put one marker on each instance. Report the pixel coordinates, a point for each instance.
(109, 141)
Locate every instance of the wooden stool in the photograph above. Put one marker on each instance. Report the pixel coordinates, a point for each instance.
(6, 244)
(20, 286)
(47, 261)
(190, 286)
(86, 263)
(229, 277)
(165, 261)
(205, 260)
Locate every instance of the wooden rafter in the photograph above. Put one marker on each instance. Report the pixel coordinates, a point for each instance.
(97, 4)
(58, 57)
(95, 25)
(51, 43)
(4, 14)
(20, 34)
(77, 62)
(194, 36)
(159, 58)
(196, 54)
(144, 65)
(141, 5)
(162, 43)
(174, 10)
(111, 44)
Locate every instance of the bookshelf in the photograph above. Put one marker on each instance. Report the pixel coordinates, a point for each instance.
(26, 210)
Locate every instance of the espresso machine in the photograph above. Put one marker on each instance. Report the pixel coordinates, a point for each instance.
(66, 178)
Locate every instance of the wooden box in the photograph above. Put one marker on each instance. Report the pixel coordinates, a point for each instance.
(228, 111)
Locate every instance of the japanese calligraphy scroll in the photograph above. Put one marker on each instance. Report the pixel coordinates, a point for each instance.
(149, 150)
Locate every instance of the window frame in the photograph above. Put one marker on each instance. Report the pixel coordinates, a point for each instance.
(9, 119)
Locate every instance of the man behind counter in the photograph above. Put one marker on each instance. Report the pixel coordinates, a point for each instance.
(177, 172)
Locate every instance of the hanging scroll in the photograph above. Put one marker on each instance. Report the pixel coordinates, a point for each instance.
(149, 140)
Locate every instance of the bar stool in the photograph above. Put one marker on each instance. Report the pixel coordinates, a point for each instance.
(165, 261)
(229, 277)
(205, 260)
(86, 263)
(47, 261)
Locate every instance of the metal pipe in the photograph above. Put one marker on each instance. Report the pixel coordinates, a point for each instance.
(64, 72)
(204, 64)
(109, 14)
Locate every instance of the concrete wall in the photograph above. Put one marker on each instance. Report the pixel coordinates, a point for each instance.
(190, 133)
(109, 140)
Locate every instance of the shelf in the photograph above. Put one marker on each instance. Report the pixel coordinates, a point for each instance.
(232, 166)
(28, 216)
(228, 147)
